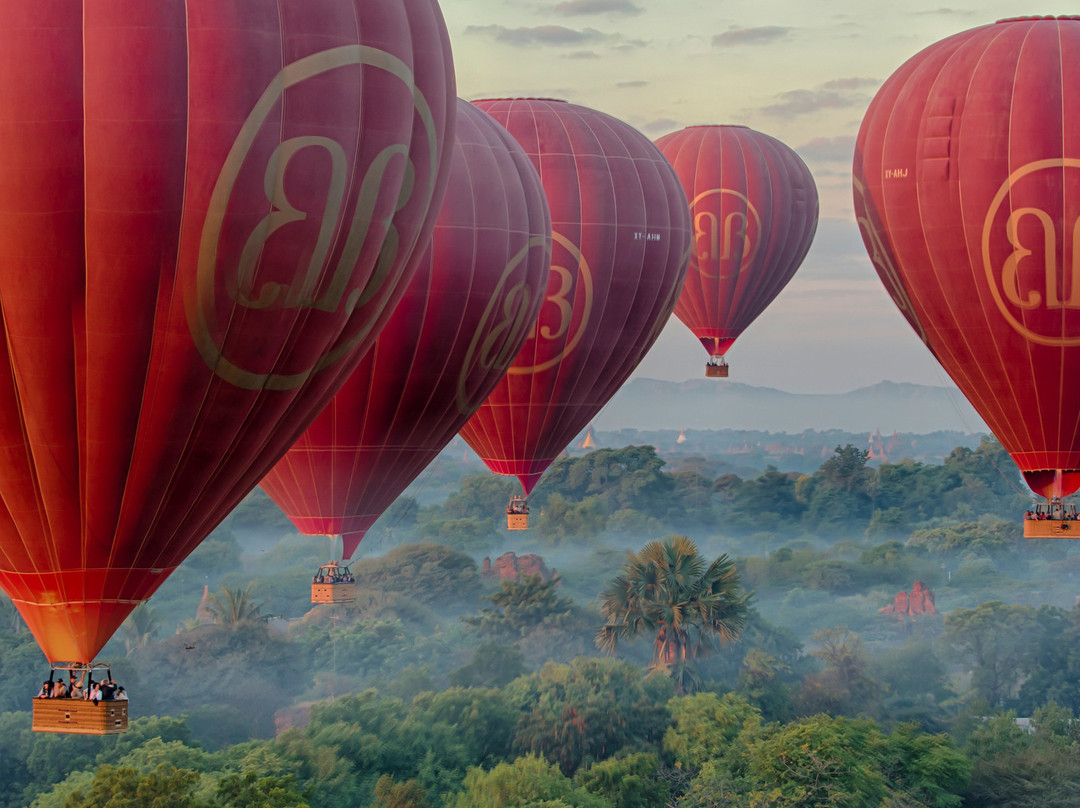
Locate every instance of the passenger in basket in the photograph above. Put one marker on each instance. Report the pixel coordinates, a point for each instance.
(46, 690)
(95, 693)
(60, 691)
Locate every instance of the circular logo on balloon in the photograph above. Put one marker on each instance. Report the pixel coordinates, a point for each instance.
(499, 332)
(565, 313)
(726, 236)
(1031, 255)
(322, 275)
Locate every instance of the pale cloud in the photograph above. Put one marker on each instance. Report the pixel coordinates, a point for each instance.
(622, 85)
(761, 35)
(828, 149)
(556, 36)
(540, 35)
(629, 44)
(659, 126)
(576, 7)
(826, 178)
(837, 253)
(794, 103)
(948, 12)
(851, 83)
(582, 55)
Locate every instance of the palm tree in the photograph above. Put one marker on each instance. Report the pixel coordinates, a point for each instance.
(141, 627)
(668, 591)
(230, 607)
(10, 618)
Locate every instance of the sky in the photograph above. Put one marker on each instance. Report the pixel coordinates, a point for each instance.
(803, 71)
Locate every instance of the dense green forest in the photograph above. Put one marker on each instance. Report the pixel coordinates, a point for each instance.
(442, 686)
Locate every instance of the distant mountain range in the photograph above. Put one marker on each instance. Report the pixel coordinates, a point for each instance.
(649, 404)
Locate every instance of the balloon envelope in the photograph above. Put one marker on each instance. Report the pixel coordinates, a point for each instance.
(620, 242)
(462, 320)
(207, 211)
(755, 209)
(967, 192)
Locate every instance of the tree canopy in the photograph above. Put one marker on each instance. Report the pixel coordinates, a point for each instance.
(668, 591)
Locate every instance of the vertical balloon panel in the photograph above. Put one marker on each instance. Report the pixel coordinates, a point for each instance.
(620, 241)
(967, 192)
(208, 210)
(462, 320)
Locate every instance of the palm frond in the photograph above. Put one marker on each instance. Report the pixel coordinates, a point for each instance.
(666, 589)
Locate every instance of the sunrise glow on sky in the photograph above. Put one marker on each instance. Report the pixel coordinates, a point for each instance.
(802, 71)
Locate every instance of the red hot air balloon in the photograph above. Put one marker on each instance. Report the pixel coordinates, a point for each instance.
(206, 211)
(462, 320)
(967, 192)
(755, 209)
(620, 242)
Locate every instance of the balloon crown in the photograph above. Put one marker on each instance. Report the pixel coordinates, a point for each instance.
(1037, 17)
(522, 98)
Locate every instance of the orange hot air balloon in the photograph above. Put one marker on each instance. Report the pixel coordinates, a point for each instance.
(620, 242)
(462, 320)
(207, 210)
(755, 209)
(967, 192)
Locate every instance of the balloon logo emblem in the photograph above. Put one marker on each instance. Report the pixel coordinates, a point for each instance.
(310, 288)
(564, 299)
(491, 343)
(713, 238)
(1033, 276)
